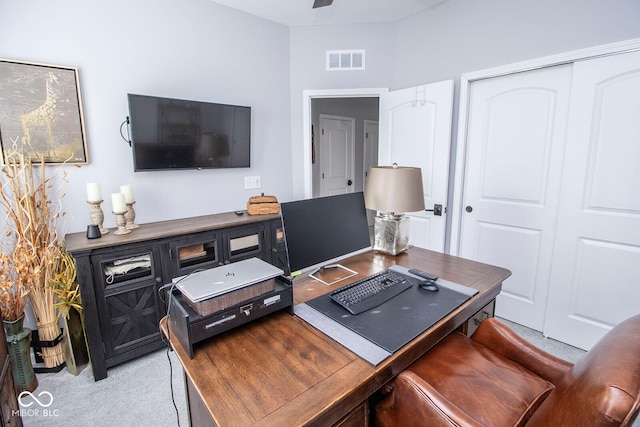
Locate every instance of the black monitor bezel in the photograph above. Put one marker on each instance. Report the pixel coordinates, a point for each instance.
(320, 212)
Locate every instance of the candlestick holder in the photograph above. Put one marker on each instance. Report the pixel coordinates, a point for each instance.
(96, 215)
(130, 217)
(121, 223)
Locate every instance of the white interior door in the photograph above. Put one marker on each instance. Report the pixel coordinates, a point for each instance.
(515, 141)
(415, 130)
(370, 156)
(594, 281)
(336, 154)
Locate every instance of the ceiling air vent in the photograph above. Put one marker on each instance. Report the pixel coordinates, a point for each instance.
(343, 60)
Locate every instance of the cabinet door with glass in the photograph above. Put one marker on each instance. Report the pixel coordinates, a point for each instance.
(246, 242)
(128, 303)
(197, 251)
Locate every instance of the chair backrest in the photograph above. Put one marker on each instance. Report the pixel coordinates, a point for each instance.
(603, 388)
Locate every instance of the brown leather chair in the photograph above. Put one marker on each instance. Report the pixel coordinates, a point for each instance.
(496, 378)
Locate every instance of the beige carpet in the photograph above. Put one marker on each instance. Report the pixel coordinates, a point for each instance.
(136, 393)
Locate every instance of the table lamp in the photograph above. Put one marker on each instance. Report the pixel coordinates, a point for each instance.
(392, 191)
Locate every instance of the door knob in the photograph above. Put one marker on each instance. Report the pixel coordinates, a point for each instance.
(349, 182)
(468, 209)
(437, 210)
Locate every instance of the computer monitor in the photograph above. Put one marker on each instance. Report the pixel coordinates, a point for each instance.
(323, 230)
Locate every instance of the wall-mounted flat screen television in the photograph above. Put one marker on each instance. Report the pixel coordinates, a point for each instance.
(171, 133)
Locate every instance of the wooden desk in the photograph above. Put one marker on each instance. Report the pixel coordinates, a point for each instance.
(280, 371)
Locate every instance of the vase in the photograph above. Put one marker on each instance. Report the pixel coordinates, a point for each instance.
(76, 354)
(19, 343)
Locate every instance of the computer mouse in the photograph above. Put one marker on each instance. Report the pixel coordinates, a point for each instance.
(428, 285)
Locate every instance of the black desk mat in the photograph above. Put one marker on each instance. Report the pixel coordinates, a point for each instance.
(397, 321)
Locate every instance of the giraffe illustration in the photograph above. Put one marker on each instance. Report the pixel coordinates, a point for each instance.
(45, 115)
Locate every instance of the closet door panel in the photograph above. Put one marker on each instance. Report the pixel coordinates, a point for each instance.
(594, 282)
(515, 143)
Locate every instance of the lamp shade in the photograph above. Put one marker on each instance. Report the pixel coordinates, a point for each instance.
(394, 189)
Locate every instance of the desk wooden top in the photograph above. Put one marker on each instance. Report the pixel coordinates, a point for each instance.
(279, 370)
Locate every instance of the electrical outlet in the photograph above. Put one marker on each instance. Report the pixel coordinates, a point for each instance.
(251, 182)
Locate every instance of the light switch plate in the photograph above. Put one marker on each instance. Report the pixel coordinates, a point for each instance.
(251, 182)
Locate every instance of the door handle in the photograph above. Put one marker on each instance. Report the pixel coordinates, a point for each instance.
(437, 210)
(349, 182)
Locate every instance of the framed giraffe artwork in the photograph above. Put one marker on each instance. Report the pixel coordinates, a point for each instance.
(41, 113)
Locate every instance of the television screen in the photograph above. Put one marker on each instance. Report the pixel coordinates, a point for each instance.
(171, 133)
(325, 229)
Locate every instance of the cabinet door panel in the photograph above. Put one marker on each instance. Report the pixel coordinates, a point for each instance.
(197, 251)
(133, 318)
(127, 299)
(245, 242)
(125, 270)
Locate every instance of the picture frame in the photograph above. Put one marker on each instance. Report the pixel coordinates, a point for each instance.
(41, 113)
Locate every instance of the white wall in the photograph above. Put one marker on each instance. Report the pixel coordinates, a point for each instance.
(190, 49)
(460, 36)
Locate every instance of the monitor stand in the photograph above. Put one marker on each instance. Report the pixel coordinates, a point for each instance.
(332, 273)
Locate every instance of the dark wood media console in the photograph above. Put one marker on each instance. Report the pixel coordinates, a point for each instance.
(120, 276)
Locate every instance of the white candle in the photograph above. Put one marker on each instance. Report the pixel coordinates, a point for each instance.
(128, 193)
(93, 192)
(117, 200)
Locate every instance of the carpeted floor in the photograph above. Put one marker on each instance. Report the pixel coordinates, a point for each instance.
(139, 392)
(136, 393)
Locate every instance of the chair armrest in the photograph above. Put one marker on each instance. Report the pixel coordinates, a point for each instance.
(414, 402)
(500, 339)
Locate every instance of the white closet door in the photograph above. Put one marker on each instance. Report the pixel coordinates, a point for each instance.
(415, 130)
(515, 141)
(595, 281)
(337, 154)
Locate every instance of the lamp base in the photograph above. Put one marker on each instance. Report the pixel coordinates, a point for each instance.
(391, 233)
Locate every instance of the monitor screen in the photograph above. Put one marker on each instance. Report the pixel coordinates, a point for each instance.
(323, 230)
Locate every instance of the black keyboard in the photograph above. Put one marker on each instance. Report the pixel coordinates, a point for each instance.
(371, 291)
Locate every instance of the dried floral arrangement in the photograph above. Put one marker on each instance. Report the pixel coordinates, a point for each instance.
(12, 293)
(65, 286)
(30, 266)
